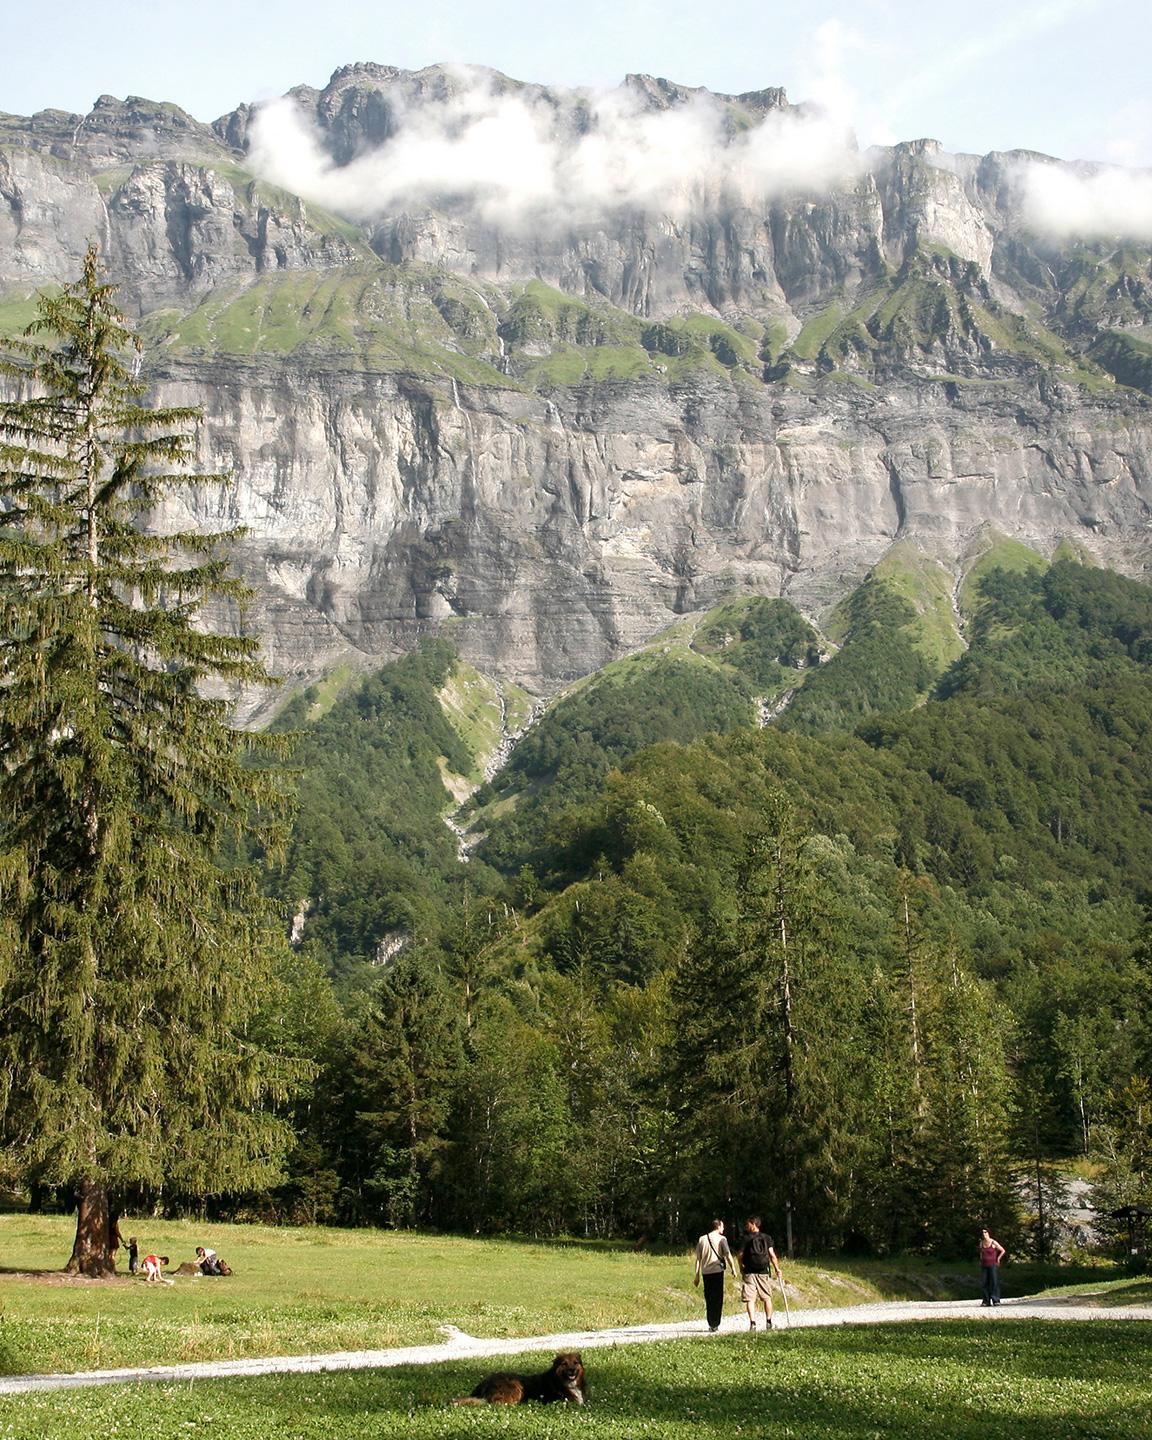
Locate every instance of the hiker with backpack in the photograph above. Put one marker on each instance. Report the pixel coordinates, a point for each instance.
(757, 1262)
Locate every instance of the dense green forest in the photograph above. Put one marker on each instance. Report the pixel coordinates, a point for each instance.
(369, 857)
(882, 964)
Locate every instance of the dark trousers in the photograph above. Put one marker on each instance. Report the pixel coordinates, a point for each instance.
(714, 1298)
(991, 1283)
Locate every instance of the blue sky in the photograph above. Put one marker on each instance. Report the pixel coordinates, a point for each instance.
(1067, 77)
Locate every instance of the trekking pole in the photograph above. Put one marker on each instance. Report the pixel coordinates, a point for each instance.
(784, 1294)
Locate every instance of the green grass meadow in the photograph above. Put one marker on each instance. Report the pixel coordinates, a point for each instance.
(317, 1290)
(1027, 1380)
(311, 1290)
(298, 1291)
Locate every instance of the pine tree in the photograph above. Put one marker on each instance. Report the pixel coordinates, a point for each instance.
(406, 1067)
(966, 1179)
(131, 959)
(766, 1048)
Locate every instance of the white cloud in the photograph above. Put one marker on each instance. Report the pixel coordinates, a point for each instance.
(1066, 202)
(517, 164)
(494, 155)
(825, 74)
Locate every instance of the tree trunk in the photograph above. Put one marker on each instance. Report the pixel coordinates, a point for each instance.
(913, 1007)
(782, 898)
(92, 1249)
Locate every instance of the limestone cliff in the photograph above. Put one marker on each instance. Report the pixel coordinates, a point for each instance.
(552, 438)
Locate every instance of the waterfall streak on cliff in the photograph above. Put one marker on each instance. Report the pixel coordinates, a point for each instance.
(509, 739)
(463, 843)
(769, 710)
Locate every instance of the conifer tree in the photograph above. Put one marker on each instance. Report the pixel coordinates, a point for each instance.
(406, 1066)
(767, 1008)
(131, 959)
(966, 1179)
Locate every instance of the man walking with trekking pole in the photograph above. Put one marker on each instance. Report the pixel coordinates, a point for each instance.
(757, 1262)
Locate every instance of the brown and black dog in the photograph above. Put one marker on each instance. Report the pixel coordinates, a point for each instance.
(563, 1380)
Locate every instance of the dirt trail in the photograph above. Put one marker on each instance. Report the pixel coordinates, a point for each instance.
(457, 1345)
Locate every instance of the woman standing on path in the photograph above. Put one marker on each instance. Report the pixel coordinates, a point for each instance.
(713, 1260)
(991, 1253)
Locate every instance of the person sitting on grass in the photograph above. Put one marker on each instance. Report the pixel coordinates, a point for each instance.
(207, 1260)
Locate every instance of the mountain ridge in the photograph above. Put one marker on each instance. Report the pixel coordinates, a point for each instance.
(550, 440)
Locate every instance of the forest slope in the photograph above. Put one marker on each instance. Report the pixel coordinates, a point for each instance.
(869, 932)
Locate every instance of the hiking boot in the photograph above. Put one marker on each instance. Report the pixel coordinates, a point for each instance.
(768, 1323)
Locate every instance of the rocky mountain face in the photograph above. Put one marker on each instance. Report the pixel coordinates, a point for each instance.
(550, 436)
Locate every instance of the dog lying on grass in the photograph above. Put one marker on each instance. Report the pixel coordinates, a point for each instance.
(563, 1380)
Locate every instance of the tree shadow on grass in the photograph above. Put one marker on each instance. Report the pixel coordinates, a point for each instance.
(1130, 1295)
(59, 1276)
(1020, 1380)
(1016, 1381)
(894, 1281)
(411, 1405)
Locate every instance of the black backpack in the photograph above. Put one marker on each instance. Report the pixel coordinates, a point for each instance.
(757, 1248)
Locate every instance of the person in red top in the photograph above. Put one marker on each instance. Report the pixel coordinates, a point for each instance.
(154, 1266)
(991, 1253)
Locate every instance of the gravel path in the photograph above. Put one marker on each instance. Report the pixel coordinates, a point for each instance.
(456, 1345)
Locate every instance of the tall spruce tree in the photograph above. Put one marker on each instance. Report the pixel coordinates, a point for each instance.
(132, 960)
